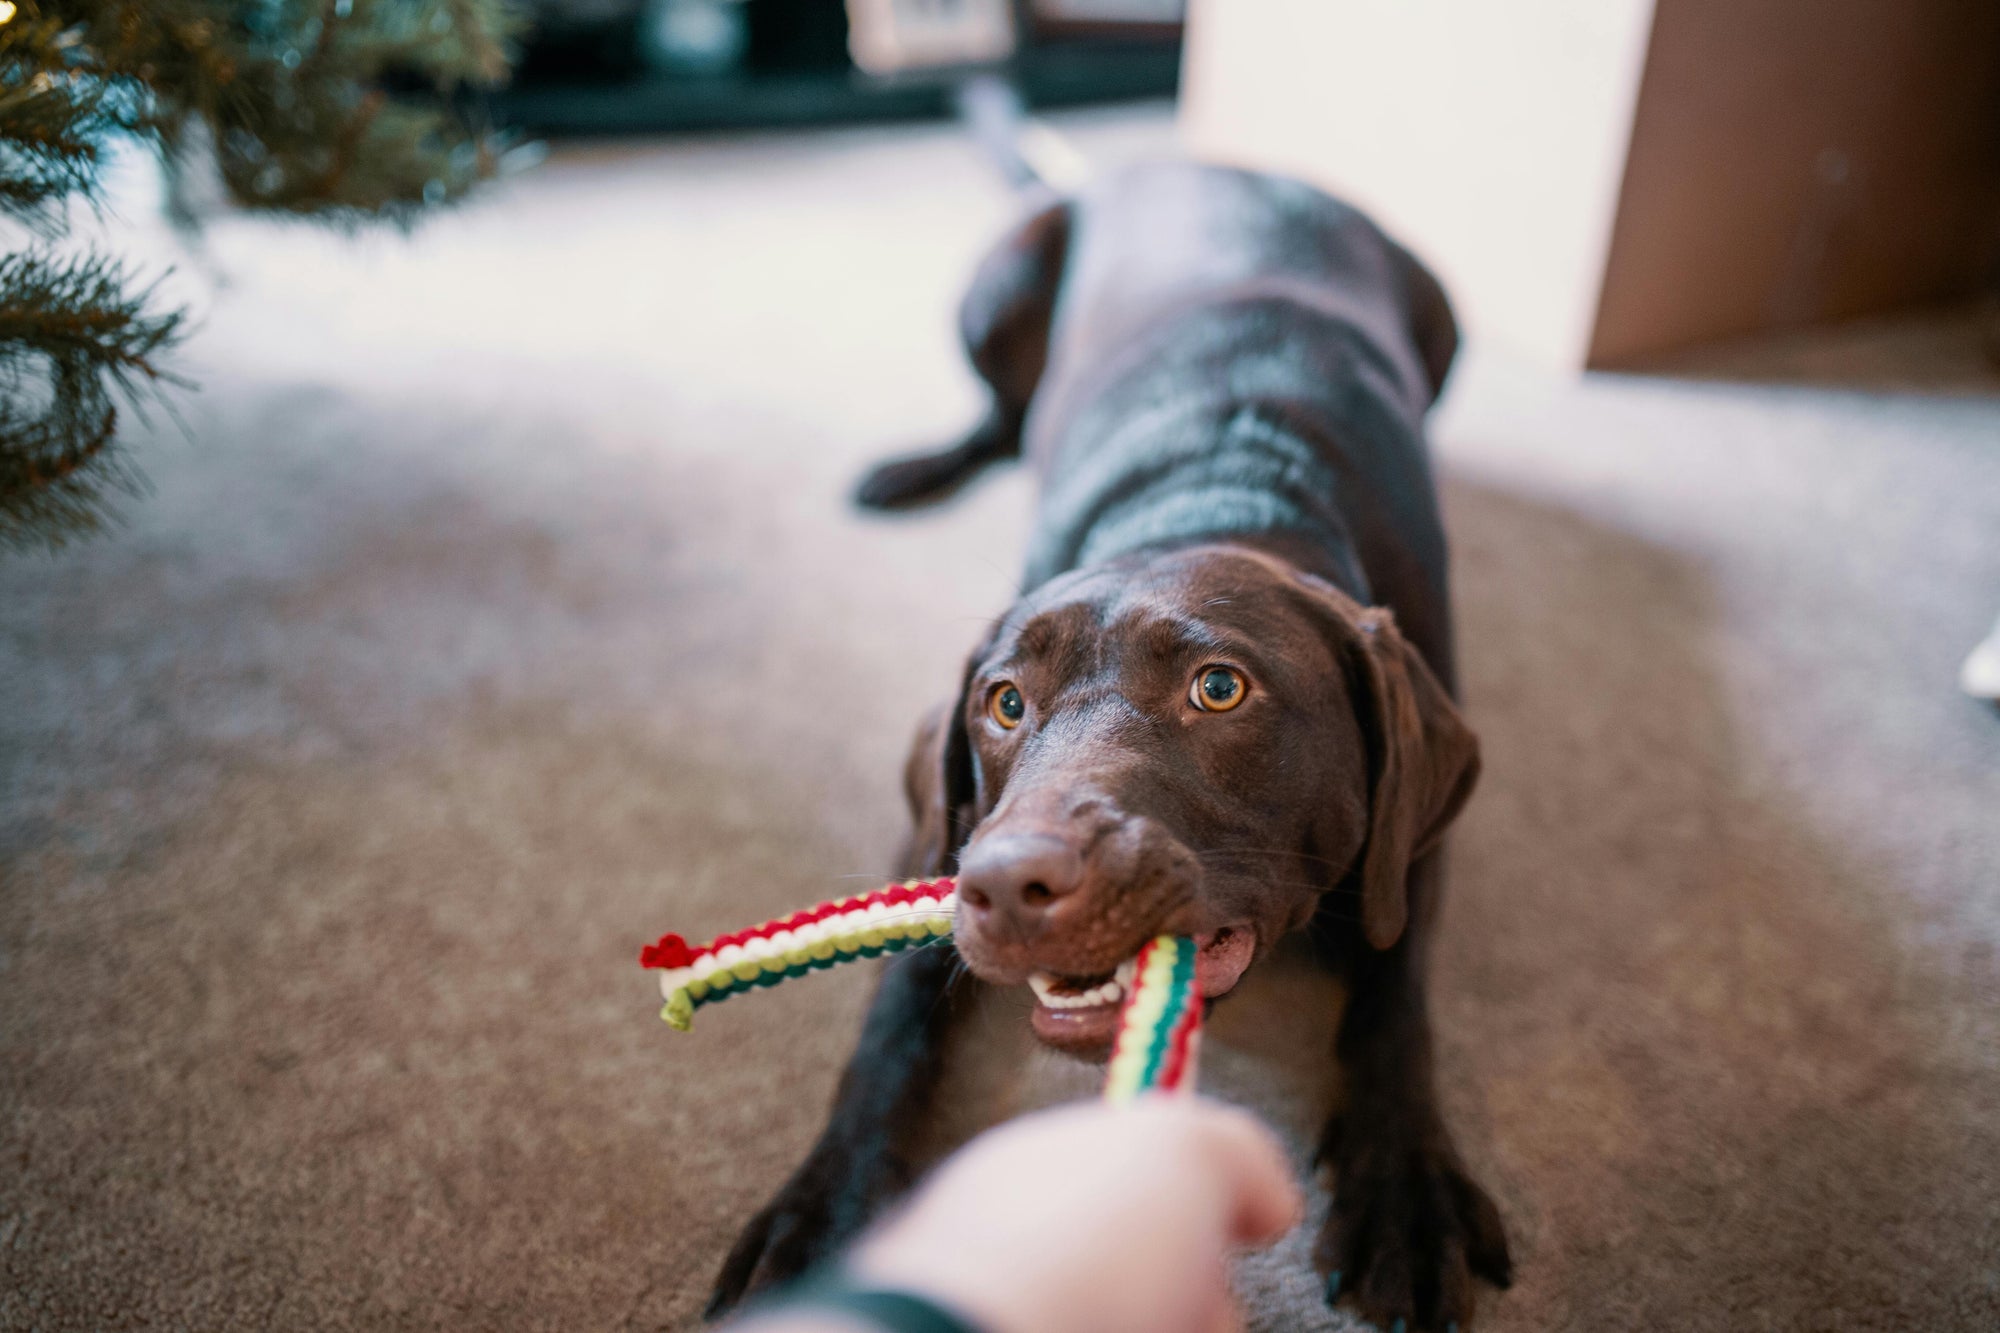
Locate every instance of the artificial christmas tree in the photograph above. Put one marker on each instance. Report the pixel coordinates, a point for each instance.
(342, 110)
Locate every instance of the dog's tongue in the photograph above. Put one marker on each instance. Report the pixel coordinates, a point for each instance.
(1220, 959)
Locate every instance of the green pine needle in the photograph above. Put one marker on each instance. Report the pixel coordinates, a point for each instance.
(76, 343)
(345, 111)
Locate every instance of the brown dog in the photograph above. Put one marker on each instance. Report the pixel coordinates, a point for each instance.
(1223, 708)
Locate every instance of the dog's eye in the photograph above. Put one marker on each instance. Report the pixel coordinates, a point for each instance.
(1218, 689)
(1005, 705)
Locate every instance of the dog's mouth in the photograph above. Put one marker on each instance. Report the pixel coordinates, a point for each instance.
(1080, 1013)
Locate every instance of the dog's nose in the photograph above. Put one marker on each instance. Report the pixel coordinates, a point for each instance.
(1016, 879)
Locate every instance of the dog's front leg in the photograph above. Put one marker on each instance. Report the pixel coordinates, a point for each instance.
(1409, 1229)
(866, 1156)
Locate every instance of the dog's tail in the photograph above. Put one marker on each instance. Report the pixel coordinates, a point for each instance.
(1032, 155)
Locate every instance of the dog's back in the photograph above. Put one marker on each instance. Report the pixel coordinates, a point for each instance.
(1237, 355)
(1193, 353)
(1152, 241)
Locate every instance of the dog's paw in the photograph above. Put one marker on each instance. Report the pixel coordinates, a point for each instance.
(1408, 1233)
(787, 1236)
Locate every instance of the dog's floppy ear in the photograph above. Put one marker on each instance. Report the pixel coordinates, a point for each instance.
(939, 782)
(1423, 761)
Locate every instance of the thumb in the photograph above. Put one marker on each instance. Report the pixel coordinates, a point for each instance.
(1223, 1316)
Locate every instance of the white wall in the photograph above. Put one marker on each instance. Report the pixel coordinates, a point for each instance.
(1490, 136)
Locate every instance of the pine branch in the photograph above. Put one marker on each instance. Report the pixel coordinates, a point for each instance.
(75, 342)
(53, 122)
(342, 110)
(293, 93)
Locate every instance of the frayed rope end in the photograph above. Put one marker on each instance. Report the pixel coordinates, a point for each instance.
(672, 951)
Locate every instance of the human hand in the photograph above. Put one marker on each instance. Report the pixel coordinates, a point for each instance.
(1092, 1218)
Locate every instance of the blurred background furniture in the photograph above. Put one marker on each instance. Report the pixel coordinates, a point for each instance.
(628, 66)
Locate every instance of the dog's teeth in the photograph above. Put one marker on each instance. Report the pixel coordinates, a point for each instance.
(1047, 990)
(1128, 972)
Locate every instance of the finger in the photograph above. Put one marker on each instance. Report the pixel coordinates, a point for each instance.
(1223, 1315)
(1265, 1202)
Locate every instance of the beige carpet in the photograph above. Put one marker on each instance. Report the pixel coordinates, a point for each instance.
(501, 610)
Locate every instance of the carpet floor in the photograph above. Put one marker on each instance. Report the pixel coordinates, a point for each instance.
(499, 608)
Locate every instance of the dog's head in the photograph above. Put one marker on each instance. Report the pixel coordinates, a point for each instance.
(1199, 743)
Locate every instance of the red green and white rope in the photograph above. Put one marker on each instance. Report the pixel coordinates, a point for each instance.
(869, 926)
(1159, 1028)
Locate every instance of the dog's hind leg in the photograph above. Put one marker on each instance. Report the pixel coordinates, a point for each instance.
(920, 479)
(1004, 320)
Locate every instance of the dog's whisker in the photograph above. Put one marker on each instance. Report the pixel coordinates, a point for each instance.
(1271, 851)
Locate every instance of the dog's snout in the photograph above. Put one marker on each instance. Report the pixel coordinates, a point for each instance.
(1016, 880)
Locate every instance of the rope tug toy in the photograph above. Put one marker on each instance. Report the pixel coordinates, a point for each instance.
(1159, 1026)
